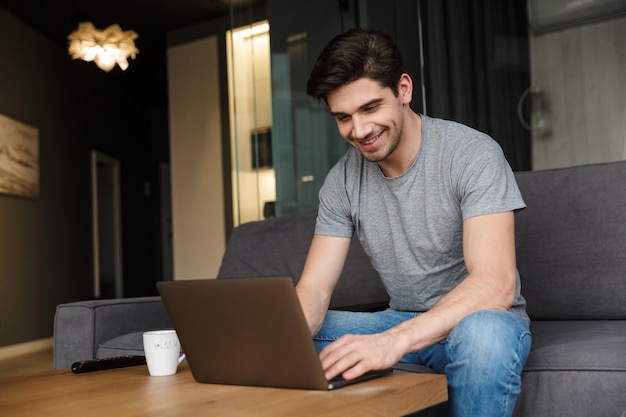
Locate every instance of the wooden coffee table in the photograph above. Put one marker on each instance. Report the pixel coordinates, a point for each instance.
(133, 392)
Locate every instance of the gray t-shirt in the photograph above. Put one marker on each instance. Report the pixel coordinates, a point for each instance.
(411, 226)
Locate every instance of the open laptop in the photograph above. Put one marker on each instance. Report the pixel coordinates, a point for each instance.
(246, 331)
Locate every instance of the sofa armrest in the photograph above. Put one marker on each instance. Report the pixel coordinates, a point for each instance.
(80, 327)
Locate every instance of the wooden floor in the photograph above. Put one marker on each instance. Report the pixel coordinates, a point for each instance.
(27, 364)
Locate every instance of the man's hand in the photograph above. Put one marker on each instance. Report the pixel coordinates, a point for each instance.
(354, 355)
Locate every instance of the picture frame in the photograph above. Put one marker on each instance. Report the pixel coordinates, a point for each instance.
(19, 158)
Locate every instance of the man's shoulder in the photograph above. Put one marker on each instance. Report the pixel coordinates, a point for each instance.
(451, 129)
(459, 142)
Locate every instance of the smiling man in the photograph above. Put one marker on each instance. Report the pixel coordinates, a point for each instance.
(432, 203)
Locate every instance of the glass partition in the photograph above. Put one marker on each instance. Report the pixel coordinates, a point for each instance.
(253, 176)
(282, 142)
(305, 136)
(306, 141)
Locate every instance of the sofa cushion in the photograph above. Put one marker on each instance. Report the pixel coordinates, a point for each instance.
(278, 247)
(575, 368)
(124, 345)
(579, 345)
(570, 242)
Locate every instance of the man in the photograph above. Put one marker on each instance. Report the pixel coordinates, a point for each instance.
(432, 203)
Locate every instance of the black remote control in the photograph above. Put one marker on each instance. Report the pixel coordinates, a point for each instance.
(107, 363)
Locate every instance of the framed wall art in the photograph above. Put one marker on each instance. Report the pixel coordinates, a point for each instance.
(19, 158)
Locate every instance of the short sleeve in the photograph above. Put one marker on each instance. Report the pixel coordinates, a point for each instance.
(486, 183)
(334, 214)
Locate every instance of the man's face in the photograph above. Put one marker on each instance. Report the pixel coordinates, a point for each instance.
(369, 116)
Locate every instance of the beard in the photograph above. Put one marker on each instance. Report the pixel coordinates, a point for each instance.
(382, 151)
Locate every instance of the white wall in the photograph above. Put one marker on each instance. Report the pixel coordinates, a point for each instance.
(196, 159)
(582, 70)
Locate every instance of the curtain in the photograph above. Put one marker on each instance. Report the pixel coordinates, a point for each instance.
(477, 66)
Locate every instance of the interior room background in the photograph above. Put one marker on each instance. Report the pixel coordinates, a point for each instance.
(231, 136)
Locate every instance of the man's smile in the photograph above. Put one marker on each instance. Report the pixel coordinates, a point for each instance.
(369, 140)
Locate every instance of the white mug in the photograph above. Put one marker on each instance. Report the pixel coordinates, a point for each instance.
(162, 351)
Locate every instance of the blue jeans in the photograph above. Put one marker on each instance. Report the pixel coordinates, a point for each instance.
(482, 357)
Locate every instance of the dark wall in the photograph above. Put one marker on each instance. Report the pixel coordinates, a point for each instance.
(399, 18)
(45, 243)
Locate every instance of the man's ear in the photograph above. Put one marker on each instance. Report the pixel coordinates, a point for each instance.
(405, 88)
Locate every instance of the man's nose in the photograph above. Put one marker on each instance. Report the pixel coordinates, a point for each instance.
(360, 128)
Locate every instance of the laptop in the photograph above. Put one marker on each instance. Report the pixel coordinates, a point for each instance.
(246, 331)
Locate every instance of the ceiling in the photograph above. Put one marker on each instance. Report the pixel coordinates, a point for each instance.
(56, 19)
(151, 19)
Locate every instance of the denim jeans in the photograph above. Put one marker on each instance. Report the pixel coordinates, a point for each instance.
(482, 357)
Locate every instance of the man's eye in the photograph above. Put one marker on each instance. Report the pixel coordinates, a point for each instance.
(371, 108)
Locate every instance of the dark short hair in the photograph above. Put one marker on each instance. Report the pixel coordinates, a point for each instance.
(352, 55)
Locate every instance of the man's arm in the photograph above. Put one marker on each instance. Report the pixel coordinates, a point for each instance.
(322, 270)
(489, 252)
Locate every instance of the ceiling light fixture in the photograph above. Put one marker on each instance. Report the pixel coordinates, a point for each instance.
(105, 47)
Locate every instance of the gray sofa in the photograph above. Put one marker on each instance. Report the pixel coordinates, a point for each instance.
(571, 249)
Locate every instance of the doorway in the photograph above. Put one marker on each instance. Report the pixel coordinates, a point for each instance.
(106, 227)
